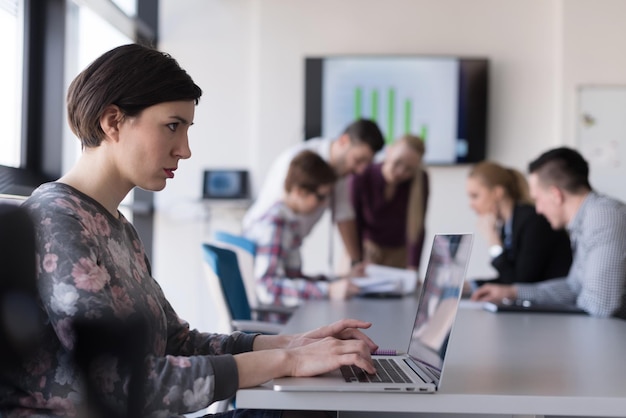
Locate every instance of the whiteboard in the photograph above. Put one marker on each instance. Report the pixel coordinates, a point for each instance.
(601, 127)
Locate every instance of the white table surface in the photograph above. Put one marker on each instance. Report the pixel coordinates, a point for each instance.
(506, 363)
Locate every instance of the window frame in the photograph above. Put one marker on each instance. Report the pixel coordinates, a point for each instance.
(42, 120)
(43, 73)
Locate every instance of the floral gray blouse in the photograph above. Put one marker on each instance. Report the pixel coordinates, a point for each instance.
(93, 266)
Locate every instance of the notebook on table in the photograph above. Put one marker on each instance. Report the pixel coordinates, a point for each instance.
(522, 305)
(421, 369)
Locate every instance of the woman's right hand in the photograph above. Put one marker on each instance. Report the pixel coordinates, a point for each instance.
(329, 354)
(308, 354)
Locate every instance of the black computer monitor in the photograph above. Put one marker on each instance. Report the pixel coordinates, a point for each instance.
(225, 184)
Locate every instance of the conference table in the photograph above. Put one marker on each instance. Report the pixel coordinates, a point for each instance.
(499, 364)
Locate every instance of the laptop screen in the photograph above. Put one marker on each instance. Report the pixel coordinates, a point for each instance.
(439, 299)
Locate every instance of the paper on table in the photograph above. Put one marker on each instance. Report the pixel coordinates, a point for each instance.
(383, 278)
(370, 285)
(387, 289)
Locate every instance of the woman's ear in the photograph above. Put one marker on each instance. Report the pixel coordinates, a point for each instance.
(110, 121)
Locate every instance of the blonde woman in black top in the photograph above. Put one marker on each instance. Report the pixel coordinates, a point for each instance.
(522, 245)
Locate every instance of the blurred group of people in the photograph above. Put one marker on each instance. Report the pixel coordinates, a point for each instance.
(379, 208)
(378, 197)
(533, 228)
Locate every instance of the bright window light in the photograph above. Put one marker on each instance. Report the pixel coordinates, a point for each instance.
(11, 18)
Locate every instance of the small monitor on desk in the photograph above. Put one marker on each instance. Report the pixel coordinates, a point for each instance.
(225, 184)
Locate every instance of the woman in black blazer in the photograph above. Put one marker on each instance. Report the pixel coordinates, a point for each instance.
(522, 245)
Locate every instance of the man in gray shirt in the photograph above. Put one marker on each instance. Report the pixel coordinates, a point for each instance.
(596, 281)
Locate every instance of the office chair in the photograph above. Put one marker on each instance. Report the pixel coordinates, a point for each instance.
(226, 283)
(236, 240)
(20, 315)
(246, 251)
(12, 199)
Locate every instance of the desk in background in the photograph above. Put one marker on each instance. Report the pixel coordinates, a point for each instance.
(514, 364)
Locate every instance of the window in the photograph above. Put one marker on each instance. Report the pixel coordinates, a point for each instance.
(129, 7)
(11, 29)
(89, 37)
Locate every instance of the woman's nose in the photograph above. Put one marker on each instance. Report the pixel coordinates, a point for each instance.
(184, 151)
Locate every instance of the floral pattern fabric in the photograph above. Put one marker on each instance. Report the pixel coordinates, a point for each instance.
(92, 267)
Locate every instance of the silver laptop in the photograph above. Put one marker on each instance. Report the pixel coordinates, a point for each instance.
(421, 369)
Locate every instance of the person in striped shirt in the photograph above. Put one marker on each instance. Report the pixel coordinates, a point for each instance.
(278, 238)
(596, 282)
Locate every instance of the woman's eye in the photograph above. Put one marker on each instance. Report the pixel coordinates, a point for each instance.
(172, 126)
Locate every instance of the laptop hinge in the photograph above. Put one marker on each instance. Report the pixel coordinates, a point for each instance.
(423, 374)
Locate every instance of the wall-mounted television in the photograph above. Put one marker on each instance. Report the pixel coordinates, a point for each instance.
(443, 99)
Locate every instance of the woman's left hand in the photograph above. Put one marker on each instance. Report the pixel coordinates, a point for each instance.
(345, 329)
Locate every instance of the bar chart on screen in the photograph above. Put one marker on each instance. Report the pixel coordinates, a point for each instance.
(371, 100)
(418, 97)
(443, 99)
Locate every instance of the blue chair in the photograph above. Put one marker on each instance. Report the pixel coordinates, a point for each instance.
(224, 264)
(246, 251)
(236, 240)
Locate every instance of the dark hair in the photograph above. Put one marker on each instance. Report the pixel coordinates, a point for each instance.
(309, 171)
(367, 132)
(562, 167)
(132, 77)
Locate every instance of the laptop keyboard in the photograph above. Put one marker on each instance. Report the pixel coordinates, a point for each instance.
(387, 371)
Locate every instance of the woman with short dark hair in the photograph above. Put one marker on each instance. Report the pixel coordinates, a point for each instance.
(131, 109)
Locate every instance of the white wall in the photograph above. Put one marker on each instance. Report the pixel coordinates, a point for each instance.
(593, 51)
(248, 57)
(213, 41)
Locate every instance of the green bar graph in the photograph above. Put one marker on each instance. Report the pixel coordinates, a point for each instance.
(358, 100)
(407, 117)
(374, 114)
(405, 124)
(391, 99)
